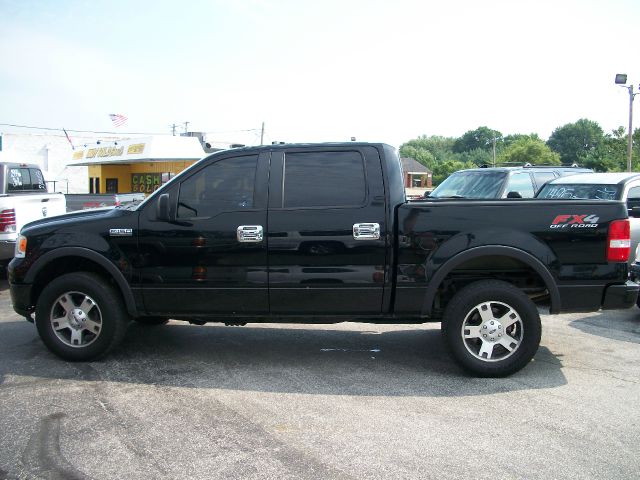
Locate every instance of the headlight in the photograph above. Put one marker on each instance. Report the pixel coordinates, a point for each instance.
(21, 246)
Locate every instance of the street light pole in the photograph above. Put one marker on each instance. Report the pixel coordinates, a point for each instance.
(621, 79)
(630, 139)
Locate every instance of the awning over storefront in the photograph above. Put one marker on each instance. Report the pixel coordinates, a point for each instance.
(157, 148)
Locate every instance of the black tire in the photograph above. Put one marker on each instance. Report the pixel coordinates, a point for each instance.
(80, 317)
(152, 320)
(488, 349)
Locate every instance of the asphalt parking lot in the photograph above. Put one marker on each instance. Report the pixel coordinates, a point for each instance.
(332, 401)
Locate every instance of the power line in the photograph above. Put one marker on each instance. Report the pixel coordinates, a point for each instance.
(119, 133)
(77, 131)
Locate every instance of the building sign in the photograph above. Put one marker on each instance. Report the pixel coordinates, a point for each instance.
(145, 182)
(135, 149)
(104, 152)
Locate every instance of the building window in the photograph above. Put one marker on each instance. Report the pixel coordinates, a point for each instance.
(112, 185)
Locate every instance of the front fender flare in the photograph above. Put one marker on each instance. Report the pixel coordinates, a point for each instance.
(117, 275)
(484, 251)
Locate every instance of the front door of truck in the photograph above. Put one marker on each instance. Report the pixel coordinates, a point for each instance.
(209, 258)
(318, 262)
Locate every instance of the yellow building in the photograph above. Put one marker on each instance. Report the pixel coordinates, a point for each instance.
(137, 164)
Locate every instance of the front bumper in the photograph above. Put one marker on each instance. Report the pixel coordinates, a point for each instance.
(620, 296)
(21, 299)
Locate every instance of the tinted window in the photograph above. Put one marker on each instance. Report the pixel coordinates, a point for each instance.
(580, 191)
(226, 185)
(319, 179)
(521, 183)
(470, 185)
(20, 179)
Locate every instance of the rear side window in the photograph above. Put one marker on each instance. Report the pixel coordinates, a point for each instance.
(25, 179)
(323, 179)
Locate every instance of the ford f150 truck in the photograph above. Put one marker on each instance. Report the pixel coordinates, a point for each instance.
(321, 234)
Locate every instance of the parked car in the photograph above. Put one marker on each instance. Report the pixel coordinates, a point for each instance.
(320, 234)
(601, 186)
(501, 182)
(23, 198)
(88, 201)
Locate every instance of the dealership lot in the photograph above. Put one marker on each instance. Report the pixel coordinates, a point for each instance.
(319, 401)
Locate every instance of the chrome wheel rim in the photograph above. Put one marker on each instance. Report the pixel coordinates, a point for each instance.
(76, 319)
(492, 331)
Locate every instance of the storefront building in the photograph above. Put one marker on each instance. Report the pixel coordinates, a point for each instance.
(139, 165)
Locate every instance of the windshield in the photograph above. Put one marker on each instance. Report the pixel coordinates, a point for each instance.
(580, 191)
(472, 184)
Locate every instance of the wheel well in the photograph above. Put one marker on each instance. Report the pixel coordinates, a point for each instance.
(62, 266)
(494, 267)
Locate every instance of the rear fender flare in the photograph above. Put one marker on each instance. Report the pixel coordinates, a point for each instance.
(477, 252)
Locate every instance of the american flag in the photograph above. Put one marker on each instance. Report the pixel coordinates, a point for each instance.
(117, 119)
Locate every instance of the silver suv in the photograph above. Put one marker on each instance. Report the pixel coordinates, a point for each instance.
(501, 182)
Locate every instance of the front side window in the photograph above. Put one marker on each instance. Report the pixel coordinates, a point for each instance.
(226, 185)
(323, 179)
(521, 183)
(543, 177)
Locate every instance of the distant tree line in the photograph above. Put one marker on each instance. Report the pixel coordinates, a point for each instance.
(583, 143)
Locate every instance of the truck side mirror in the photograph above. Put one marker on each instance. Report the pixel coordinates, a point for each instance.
(163, 208)
(514, 195)
(634, 212)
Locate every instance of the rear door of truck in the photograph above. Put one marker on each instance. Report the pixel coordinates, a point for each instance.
(326, 231)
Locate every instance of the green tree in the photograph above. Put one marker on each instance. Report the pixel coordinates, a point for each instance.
(610, 155)
(428, 150)
(481, 138)
(575, 141)
(529, 150)
(436, 153)
(510, 139)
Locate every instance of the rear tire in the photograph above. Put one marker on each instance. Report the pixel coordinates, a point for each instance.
(491, 328)
(80, 317)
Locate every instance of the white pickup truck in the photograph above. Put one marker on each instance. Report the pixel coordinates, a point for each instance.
(23, 199)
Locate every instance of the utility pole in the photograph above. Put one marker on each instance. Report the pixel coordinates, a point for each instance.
(173, 129)
(186, 127)
(494, 150)
(262, 135)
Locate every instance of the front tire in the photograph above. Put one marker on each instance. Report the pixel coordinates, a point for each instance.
(80, 317)
(491, 328)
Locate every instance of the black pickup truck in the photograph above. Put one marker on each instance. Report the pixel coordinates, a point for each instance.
(321, 234)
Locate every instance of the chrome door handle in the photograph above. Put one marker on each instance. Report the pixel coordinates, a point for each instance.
(250, 233)
(366, 231)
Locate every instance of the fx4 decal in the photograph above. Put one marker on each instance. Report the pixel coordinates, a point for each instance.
(575, 221)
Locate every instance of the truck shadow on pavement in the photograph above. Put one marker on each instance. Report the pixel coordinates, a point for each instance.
(625, 326)
(306, 360)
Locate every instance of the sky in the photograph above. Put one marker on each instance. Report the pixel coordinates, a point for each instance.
(379, 71)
